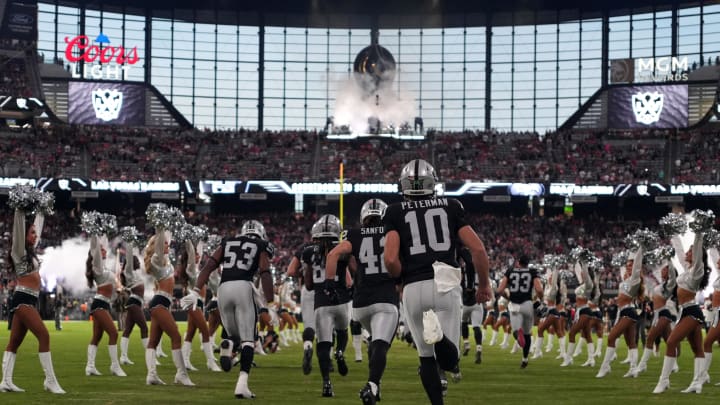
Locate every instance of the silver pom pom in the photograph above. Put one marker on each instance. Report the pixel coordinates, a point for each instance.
(97, 223)
(595, 263)
(711, 239)
(161, 216)
(192, 233)
(549, 260)
(580, 254)
(30, 200)
(45, 203)
(644, 238)
(619, 259)
(213, 242)
(130, 234)
(673, 224)
(659, 255)
(574, 254)
(703, 220)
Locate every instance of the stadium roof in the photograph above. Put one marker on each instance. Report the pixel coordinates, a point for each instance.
(381, 13)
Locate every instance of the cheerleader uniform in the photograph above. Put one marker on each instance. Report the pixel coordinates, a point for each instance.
(103, 277)
(27, 267)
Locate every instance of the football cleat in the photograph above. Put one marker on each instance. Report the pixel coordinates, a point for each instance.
(327, 389)
(307, 361)
(226, 347)
(342, 365)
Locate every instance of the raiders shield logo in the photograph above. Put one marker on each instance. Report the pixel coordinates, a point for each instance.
(647, 107)
(107, 103)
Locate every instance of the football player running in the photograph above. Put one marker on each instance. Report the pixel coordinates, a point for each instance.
(520, 281)
(421, 235)
(331, 297)
(241, 258)
(375, 300)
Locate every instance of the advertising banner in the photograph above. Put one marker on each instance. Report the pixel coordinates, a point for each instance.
(20, 22)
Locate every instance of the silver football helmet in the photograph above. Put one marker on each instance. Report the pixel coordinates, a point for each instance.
(253, 228)
(372, 207)
(328, 226)
(418, 178)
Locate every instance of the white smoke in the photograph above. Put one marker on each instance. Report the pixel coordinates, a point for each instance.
(358, 99)
(66, 264)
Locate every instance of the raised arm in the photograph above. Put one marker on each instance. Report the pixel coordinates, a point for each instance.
(158, 258)
(343, 248)
(585, 275)
(191, 267)
(18, 237)
(39, 223)
(96, 253)
(698, 266)
(128, 269)
(676, 243)
(637, 266)
(211, 265)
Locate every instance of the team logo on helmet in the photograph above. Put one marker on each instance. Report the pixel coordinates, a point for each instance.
(107, 103)
(647, 107)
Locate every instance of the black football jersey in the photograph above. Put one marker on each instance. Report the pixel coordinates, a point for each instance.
(314, 256)
(520, 284)
(241, 257)
(428, 231)
(373, 283)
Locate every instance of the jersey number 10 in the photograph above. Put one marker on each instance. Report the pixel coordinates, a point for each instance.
(437, 239)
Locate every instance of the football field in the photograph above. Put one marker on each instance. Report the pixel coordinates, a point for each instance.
(278, 378)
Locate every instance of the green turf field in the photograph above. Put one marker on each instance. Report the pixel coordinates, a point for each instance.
(278, 379)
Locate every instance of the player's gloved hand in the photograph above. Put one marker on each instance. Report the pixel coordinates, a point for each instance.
(540, 309)
(469, 296)
(330, 291)
(189, 302)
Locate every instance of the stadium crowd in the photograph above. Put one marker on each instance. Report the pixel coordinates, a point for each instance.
(154, 154)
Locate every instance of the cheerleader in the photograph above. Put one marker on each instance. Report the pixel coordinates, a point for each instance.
(134, 314)
(491, 317)
(267, 339)
(288, 323)
(552, 298)
(503, 321)
(188, 272)
(562, 307)
(157, 265)
(663, 313)
(582, 314)
(630, 289)
(596, 319)
(690, 325)
(213, 315)
(25, 267)
(713, 334)
(104, 279)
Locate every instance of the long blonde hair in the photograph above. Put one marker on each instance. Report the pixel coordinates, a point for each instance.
(149, 250)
